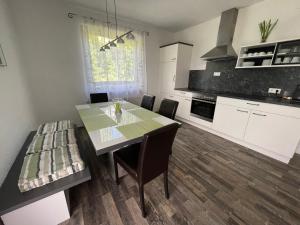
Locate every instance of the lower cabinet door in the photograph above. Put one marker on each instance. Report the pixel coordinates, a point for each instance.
(276, 133)
(184, 107)
(231, 120)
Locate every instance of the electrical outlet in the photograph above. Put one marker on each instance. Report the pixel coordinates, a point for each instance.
(274, 90)
(217, 74)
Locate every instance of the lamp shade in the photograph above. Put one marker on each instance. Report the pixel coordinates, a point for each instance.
(113, 44)
(130, 36)
(120, 41)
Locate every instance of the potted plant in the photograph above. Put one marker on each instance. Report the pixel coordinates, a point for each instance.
(266, 28)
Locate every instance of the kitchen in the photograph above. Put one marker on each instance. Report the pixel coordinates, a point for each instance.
(238, 96)
(128, 112)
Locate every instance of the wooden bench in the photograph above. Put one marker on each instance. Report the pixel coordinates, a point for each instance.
(46, 205)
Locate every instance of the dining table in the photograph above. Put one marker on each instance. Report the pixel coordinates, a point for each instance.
(110, 130)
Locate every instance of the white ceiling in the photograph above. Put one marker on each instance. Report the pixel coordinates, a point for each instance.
(173, 15)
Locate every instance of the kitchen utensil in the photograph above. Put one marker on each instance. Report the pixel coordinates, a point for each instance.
(286, 95)
(287, 59)
(262, 53)
(248, 64)
(296, 94)
(296, 59)
(284, 50)
(296, 49)
(266, 62)
(278, 61)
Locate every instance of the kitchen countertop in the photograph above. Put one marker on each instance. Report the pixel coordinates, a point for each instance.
(265, 99)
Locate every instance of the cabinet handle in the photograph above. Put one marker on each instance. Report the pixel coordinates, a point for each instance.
(252, 104)
(187, 99)
(258, 114)
(243, 111)
(173, 59)
(174, 77)
(172, 96)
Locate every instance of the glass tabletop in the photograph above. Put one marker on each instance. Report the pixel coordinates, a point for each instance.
(109, 130)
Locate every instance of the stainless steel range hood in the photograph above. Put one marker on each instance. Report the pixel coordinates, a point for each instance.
(224, 49)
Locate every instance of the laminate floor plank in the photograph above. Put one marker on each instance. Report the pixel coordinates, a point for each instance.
(212, 181)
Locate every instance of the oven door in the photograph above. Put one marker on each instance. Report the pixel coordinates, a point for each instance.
(203, 109)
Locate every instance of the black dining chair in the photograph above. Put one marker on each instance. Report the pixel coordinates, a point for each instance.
(168, 108)
(147, 160)
(148, 102)
(98, 97)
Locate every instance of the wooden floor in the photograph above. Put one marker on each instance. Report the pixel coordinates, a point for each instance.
(212, 181)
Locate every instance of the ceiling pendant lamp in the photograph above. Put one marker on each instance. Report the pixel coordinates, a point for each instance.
(113, 44)
(130, 36)
(120, 40)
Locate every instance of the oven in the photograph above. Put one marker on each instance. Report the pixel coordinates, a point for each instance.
(203, 108)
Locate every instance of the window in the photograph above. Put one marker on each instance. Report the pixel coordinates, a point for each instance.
(119, 71)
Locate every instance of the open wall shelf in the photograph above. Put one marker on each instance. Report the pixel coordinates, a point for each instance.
(275, 54)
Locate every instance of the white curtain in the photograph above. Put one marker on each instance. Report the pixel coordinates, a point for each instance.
(120, 71)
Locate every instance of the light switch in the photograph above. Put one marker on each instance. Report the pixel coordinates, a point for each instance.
(217, 74)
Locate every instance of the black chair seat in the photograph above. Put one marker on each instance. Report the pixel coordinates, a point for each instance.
(128, 157)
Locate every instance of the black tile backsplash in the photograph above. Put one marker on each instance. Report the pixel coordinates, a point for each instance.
(255, 81)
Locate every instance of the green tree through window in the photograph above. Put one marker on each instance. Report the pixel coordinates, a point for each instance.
(116, 64)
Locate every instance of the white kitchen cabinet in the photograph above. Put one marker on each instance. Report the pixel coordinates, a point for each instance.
(168, 53)
(168, 73)
(276, 133)
(184, 107)
(270, 129)
(174, 67)
(231, 120)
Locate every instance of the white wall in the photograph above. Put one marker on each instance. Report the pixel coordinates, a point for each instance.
(16, 114)
(204, 35)
(52, 49)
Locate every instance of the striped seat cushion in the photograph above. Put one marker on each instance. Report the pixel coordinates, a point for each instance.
(47, 166)
(55, 126)
(45, 142)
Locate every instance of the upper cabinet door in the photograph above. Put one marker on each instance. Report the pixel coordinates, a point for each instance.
(279, 134)
(169, 53)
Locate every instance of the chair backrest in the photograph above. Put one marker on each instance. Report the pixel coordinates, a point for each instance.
(148, 102)
(155, 150)
(168, 108)
(98, 97)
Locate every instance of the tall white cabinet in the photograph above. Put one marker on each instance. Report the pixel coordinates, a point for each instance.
(174, 69)
(174, 66)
